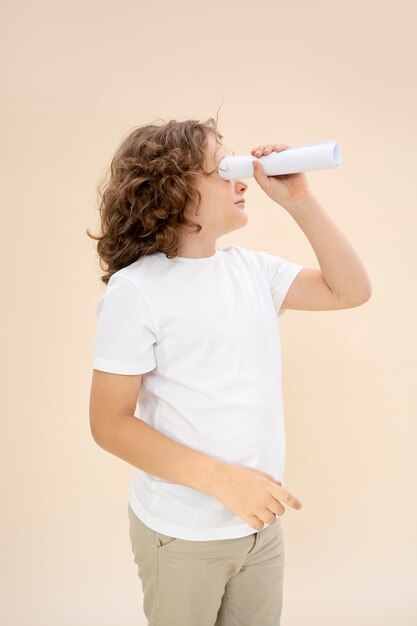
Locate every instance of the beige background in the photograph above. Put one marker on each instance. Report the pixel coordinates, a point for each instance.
(76, 77)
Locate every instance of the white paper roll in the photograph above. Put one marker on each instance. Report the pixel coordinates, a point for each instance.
(310, 156)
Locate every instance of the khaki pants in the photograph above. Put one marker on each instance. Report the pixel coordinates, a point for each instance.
(222, 582)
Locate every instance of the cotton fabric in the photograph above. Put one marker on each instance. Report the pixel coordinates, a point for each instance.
(204, 333)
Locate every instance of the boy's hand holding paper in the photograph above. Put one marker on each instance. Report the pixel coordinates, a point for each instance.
(285, 188)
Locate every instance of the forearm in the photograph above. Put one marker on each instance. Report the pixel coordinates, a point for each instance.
(340, 266)
(141, 445)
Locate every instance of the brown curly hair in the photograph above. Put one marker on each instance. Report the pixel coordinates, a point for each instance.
(153, 178)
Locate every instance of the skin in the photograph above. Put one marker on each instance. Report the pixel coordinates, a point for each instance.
(218, 212)
(285, 189)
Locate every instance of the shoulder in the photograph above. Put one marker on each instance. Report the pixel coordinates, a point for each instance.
(248, 256)
(240, 252)
(137, 273)
(125, 286)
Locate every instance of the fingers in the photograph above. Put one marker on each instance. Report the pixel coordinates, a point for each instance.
(264, 150)
(292, 501)
(288, 498)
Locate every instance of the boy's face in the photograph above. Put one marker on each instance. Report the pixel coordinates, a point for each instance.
(218, 212)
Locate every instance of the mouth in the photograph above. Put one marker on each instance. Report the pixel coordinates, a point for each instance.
(241, 203)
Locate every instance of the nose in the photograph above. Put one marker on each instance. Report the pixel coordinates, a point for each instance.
(242, 185)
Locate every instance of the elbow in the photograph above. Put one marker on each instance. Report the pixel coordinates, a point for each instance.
(95, 437)
(364, 297)
(96, 433)
(367, 290)
(367, 293)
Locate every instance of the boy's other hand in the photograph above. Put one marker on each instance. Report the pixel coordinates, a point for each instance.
(252, 494)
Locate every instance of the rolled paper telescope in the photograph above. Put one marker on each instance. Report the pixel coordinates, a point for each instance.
(310, 156)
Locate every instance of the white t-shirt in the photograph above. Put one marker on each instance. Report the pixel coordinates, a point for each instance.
(205, 335)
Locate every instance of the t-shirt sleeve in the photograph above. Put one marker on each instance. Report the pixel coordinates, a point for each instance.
(280, 274)
(125, 333)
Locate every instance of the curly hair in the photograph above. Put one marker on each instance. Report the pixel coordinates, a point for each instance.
(152, 179)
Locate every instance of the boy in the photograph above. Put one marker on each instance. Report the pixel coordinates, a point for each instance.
(195, 336)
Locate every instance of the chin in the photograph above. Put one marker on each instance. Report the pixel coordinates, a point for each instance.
(242, 223)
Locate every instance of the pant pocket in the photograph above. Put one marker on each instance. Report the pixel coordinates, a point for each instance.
(163, 540)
